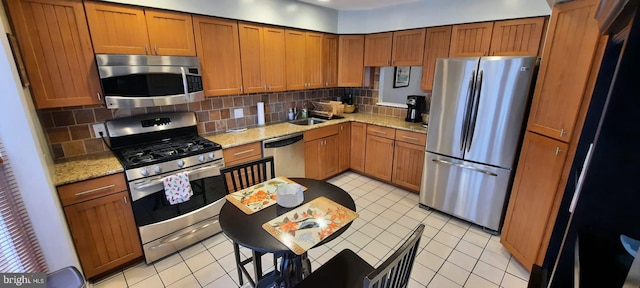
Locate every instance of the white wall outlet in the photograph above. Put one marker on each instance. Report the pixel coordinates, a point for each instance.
(97, 128)
(238, 112)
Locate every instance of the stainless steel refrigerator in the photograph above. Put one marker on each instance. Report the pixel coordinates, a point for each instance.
(478, 106)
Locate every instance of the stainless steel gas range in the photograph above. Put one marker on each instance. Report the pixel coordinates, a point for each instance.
(152, 147)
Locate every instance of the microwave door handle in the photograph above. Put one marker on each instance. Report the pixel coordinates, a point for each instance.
(184, 81)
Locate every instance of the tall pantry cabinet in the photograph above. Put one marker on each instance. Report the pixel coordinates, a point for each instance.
(570, 62)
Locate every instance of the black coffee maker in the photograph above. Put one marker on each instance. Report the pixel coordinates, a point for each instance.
(415, 108)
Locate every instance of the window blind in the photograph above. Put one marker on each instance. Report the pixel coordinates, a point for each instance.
(19, 249)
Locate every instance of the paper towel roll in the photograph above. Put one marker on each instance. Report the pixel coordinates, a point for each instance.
(260, 113)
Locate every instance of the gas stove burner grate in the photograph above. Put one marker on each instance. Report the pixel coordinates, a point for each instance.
(167, 149)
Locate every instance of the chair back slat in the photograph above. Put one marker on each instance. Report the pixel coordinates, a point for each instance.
(394, 272)
(238, 177)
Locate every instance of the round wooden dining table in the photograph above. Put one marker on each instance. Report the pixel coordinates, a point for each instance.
(246, 230)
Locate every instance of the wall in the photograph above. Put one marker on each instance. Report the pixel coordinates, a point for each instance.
(25, 145)
(399, 95)
(287, 13)
(69, 130)
(428, 13)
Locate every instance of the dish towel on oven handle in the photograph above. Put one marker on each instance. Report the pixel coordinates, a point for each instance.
(177, 188)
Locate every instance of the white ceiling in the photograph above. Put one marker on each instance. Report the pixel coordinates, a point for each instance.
(356, 4)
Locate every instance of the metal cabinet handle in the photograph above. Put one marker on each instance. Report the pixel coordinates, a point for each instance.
(96, 190)
(465, 167)
(562, 132)
(410, 138)
(99, 97)
(265, 87)
(155, 48)
(378, 131)
(326, 84)
(558, 151)
(125, 199)
(241, 89)
(243, 152)
(146, 48)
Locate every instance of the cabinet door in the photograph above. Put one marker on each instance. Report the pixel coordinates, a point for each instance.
(408, 160)
(295, 60)
(313, 60)
(519, 37)
(312, 159)
(252, 52)
(344, 147)
(408, 47)
(436, 46)
(534, 189)
(104, 233)
(218, 45)
(358, 145)
(55, 43)
(379, 160)
(471, 40)
(377, 49)
(274, 59)
(330, 60)
(170, 33)
(564, 70)
(350, 60)
(328, 157)
(117, 29)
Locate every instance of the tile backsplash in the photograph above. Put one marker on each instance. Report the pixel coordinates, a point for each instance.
(70, 133)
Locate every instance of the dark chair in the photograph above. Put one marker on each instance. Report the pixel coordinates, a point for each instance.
(236, 178)
(347, 269)
(67, 277)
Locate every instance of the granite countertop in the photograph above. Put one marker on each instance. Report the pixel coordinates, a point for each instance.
(105, 163)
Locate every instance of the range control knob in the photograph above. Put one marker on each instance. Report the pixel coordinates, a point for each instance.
(144, 172)
(201, 158)
(211, 156)
(157, 169)
(180, 163)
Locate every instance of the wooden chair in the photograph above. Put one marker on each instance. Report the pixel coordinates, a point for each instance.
(236, 178)
(347, 269)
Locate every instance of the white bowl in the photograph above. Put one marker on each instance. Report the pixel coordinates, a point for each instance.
(289, 195)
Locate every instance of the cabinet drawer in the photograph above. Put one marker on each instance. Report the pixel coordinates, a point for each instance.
(242, 153)
(91, 189)
(411, 137)
(320, 133)
(380, 131)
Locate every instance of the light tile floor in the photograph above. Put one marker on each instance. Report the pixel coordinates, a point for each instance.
(453, 253)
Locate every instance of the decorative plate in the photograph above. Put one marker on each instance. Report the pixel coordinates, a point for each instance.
(302, 228)
(257, 197)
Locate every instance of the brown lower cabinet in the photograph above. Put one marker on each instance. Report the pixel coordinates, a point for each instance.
(408, 159)
(358, 145)
(321, 155)
(101, 222)
(379, 152)
(344, 146)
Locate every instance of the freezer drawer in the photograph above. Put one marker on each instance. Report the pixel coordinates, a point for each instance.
(473, 192)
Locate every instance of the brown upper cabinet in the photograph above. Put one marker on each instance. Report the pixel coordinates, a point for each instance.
(519, 37)
(471, 40)
(437, 42)
(350, 60)
(408, 47)
(400, 48)
(218, 45)
(377, 49)
(119, 29)
(55, 43)
(263, 58)
(304, 59)
(330, 60)
(564, 72)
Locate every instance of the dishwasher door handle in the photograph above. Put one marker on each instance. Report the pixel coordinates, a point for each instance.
(282, 141)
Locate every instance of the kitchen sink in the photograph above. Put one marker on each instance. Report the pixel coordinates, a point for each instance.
(308, 121)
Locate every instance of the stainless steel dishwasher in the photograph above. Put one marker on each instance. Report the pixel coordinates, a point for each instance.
(288, 154)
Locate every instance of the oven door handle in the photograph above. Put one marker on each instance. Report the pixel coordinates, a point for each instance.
(173, 237)
(213, 168)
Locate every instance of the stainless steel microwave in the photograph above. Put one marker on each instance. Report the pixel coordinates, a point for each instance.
(130, 81)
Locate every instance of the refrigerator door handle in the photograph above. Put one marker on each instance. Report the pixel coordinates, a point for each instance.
(465, 167)
(476, 104)
(467, 110)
